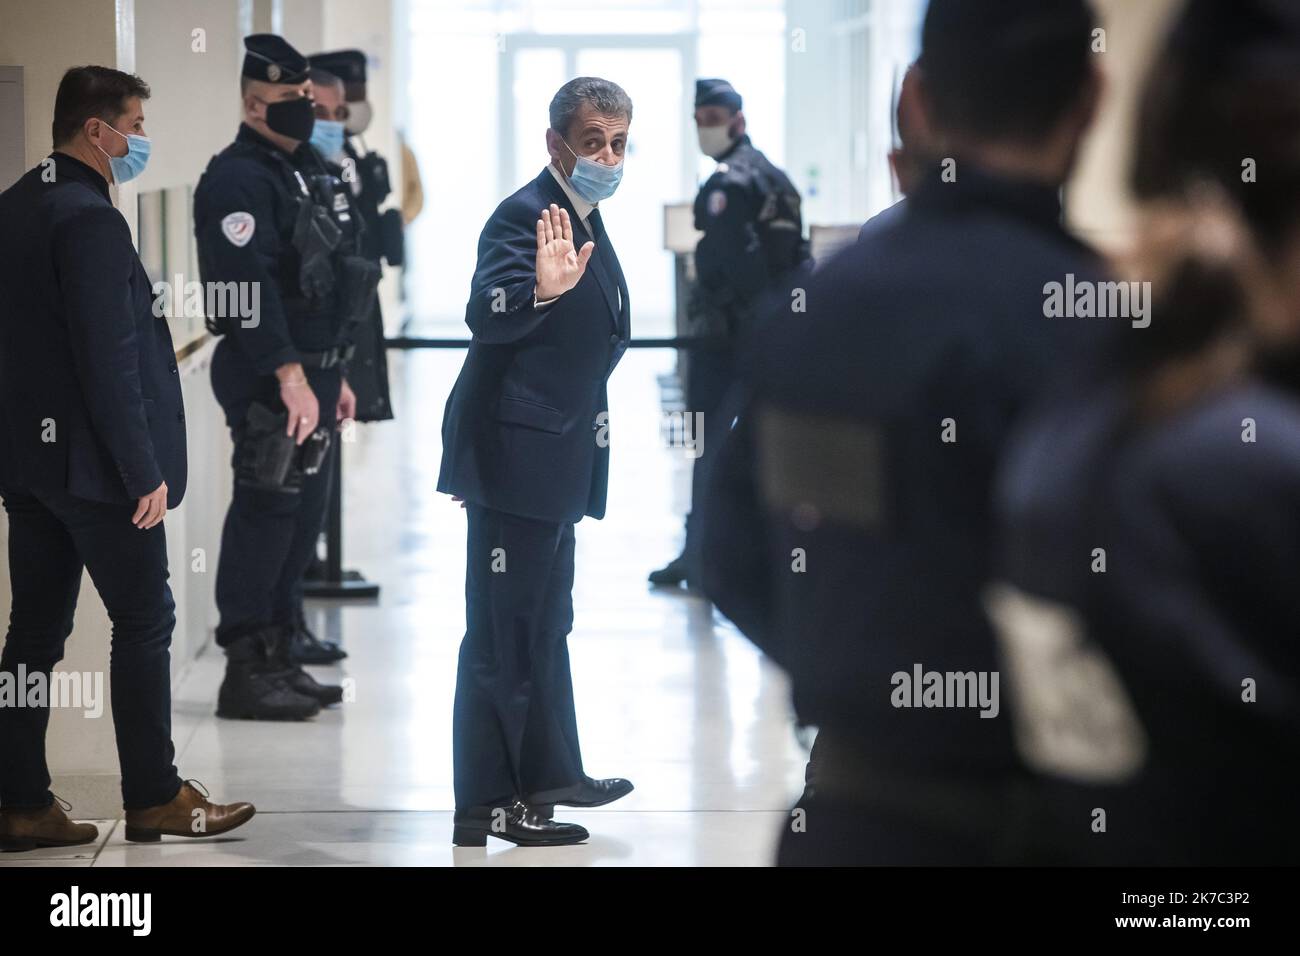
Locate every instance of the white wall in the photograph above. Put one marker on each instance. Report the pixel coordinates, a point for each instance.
(194, 110)
(840, 72)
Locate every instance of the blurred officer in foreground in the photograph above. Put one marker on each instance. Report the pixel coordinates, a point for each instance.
(753, 238)
(92, 454)
(1149, 609)
(526, 447)
(849, 530)
(910, 159)
(274, 223)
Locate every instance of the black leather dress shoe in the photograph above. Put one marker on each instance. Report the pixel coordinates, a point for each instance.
(518, 823)
(590, 793)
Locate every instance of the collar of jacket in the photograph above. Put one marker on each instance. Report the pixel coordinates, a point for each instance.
(1034, 200)
(69, 167)
(741, 140)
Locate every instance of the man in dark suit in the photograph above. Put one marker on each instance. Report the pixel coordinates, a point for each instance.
(525, 446)
(92, 454)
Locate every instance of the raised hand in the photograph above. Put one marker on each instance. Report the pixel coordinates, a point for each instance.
(559, 267)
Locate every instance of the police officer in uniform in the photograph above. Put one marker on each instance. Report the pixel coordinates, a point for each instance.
(366, 173)
(849, 520)
(339, 88)
(749, 213)
(270, 217)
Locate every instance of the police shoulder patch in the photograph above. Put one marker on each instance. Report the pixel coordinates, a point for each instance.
(717, 202)
(238, 227)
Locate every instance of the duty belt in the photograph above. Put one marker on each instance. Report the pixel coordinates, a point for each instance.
(329, 358)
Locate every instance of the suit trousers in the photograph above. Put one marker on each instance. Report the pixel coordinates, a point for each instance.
(514, 725)
(52, 537)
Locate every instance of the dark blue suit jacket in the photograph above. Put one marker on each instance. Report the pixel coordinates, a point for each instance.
(526, 425)
(90, 401)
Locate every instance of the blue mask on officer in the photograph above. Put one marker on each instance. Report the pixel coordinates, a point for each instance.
(593, 181)
(126, 168)
(327, 137)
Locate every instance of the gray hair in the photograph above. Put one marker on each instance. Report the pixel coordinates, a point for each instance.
(604, 96)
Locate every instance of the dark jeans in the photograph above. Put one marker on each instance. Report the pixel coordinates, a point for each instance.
(269, 537)
(514, 728)
(52, 536)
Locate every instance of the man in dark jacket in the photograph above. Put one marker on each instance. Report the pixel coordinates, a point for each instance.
(92, 454)
(525, 445)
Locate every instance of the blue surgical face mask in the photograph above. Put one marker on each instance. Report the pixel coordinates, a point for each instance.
(126, 168)
(327, 136)
(594, 181)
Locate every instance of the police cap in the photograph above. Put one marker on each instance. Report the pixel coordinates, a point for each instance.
(272, 59)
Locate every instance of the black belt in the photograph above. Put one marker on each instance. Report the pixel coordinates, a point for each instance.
(329, 358)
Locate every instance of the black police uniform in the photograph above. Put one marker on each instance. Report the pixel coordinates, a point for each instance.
(91, 420)
(1197, 596)
(252, 210)
(749, 212)
(381, 240)
(841, 462)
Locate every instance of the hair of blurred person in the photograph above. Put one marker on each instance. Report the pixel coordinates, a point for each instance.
(1223, 104)
(1211, 293)
(1010, 83)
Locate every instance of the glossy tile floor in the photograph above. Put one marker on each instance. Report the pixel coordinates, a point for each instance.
(667, 694)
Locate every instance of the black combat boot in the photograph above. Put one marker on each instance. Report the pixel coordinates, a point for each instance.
(281, 639)
(256, 688)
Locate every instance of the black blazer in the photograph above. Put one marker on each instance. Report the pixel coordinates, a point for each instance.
(526, 425)
(90, 401)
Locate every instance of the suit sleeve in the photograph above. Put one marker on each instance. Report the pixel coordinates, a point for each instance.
(737, 577)
(243, 189)
(500, 308)
(95, 259)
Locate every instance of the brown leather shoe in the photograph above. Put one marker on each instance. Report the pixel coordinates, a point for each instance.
(23, 829)
(189, 814)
